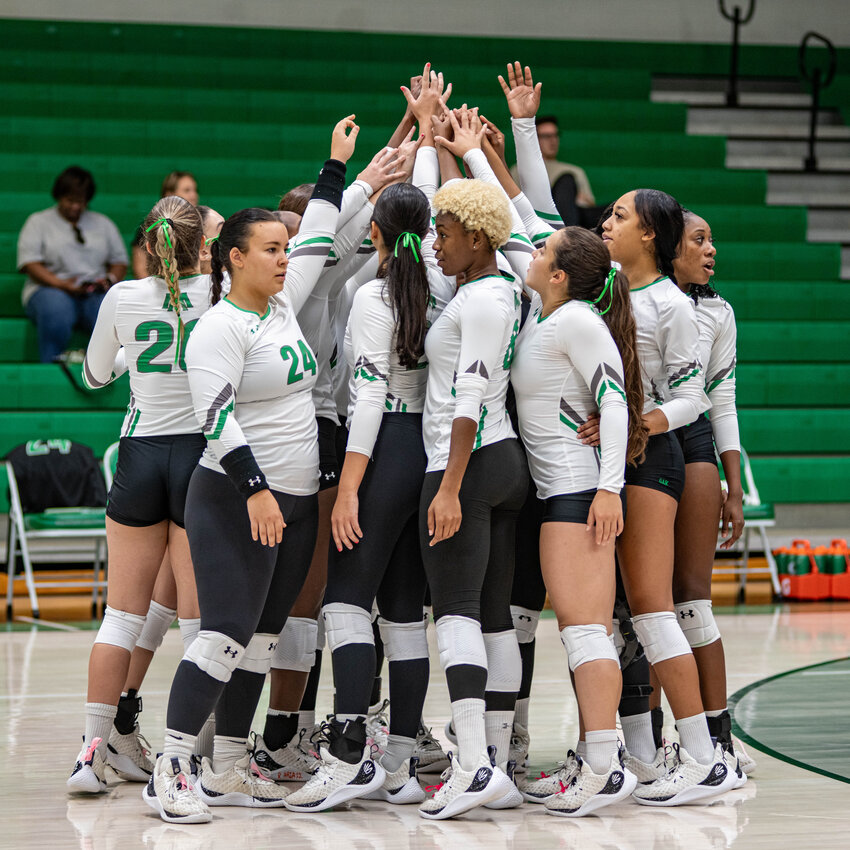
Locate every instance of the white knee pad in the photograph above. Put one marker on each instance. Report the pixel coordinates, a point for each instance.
(257, 657)
(320, 634)
(157, 623)
(660, 636)
(120, 629)
(504, 665)
(525, 623)
(460, 641)
(617, 637)
(189, 628)
(587, 643)
(216, 654)
(345, 624)
(403, 641)
(696, 620)
(296, 648)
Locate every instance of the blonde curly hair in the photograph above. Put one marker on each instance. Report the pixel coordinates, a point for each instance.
(477, 206)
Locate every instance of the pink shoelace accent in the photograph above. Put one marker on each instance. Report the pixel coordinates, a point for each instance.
(89, 754)
(434, 788)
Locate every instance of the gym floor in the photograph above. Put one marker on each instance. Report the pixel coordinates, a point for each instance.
(788, 667)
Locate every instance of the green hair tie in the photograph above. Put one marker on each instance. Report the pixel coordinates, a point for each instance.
(408, 240)
(208, 242)
(166, 226)
(608, 282)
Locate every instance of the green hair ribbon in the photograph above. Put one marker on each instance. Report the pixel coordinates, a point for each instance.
(166, 226)
(166, 229)
(609, 280)
(408, 240)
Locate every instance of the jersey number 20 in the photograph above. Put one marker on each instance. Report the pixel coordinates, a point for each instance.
(164, 339)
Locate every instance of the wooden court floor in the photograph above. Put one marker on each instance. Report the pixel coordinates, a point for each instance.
(799, 796)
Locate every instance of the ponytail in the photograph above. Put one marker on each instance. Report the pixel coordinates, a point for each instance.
(584, 257)
(217, 275)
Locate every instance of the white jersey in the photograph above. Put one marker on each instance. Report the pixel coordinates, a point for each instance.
(252, 376)
(717, 339)
(137, 315)
(469, 351)
(567, 366)
(531, 169)
(668, 350)
(379, 382)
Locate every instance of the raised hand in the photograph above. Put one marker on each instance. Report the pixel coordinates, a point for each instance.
(522, 95)
(383, 169)
(495, 138)
(432, 98)
(343, 142)
(468, 131)
(407, 153)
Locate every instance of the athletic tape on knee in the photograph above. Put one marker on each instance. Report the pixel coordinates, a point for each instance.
(403, 641)
(345, 624)
(460, 641)
(660, 636)
(216, 654)
(157, 623)
(119, 628)
(696, 620)
(296, 647)
(504, 664)
(525, 623)
(257, 657)
(587, 643)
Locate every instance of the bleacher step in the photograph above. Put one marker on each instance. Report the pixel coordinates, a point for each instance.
(764, 123)
(711, 91)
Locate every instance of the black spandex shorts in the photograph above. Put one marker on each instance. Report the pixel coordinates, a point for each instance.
(152, 477)
(663, 469)
(697, 441)
(573, 507)
(329, 465)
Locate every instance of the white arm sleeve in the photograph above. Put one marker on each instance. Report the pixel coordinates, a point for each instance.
(594, 353)
(426, 172)
(215, 358)
(103, 348)
(353, 198)
(372, 329)
(533, 178)
(720, 386)
(537, 229)
(482, 324)
(346, 246)
(677, 333)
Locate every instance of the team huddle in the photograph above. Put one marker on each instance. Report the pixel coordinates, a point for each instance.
(415, 396)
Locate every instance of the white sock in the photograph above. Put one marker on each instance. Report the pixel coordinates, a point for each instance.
(601, 745)
(227, 751)
(498, 726)
(694, 737)
(397, 750)
(715, 713)
(206, 737)
(581, 749)
(179, 744)
(306, 720)
(468, 723)
(99, 720)
(189, 628)
(521, 712)
(637, 731)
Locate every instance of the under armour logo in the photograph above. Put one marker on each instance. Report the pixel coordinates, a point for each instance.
(688, 613)
(253, 482)
(231, 652)
(272, 647)
(523, 617)
(329, 476)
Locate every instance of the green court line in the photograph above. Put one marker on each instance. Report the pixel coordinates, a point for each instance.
(754, 742)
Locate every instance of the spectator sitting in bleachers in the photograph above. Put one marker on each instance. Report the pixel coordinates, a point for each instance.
(71, 256)
(180, 183)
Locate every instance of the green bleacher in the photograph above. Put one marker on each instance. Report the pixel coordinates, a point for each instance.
(249, 112)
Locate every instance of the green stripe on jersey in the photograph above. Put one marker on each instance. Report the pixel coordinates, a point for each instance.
(685, 378)
(568, 422)
(222, 418)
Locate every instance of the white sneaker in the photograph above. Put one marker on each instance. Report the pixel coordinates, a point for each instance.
(171, 793)
(378, 726)
(243, 784)
(547, 784)
(288, 764)
(432, 758)
(129, 755)
(89, 773)
(336, 781)
(449, 732)
(588, 791)
(651, 772)
(734, 762)
(518, 753)
(689, 781)
(745, 760)
(512, 798)
(462, 790)
(401, 786)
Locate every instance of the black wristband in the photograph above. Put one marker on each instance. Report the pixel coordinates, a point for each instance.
(242, 469)
(330, 183)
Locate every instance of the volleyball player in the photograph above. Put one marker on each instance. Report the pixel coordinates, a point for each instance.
(576, 355)
(160, 446)
(702, 501)
(251, 505)
(643, 235)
